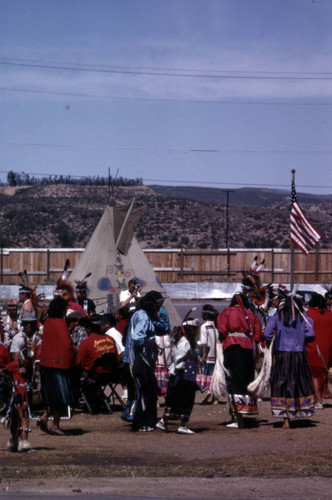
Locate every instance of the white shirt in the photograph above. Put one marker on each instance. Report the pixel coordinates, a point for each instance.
(208, 337)
(125, 294)
(113, 332)
(11, 328)
(20, 339)
(179, 354)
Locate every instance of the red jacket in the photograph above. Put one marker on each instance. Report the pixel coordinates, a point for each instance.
(16, 371)
(121, 325)
(94, 346)
(232, 320)
(57, 349)
(323, 337)
(4, 356)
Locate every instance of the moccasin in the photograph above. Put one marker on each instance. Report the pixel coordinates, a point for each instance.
(24, 445)
(161, 426)
(12, 444)
(184, 430)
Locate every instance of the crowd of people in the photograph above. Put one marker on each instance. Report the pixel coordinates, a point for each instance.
(69, 353)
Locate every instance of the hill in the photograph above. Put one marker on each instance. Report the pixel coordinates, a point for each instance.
(65, 216)
(252, 197)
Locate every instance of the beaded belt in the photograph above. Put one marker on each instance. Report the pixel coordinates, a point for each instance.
(237, 334)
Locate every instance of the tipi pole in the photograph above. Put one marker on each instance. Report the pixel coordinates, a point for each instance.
(125, 222)
(111, 186)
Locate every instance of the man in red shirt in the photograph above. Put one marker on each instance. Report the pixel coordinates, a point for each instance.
(96, 344)
(99, 359)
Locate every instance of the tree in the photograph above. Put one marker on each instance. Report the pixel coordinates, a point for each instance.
(66, 237)
(11, 178)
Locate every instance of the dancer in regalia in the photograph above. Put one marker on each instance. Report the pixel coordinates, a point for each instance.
(207, 344)
(240, 331)
(182, 387)
(141, 353)
(320, 351)
(292, 393)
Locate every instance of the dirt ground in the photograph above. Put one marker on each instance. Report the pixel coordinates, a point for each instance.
(99, 454)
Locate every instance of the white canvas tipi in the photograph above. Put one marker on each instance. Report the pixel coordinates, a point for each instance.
(113, 257)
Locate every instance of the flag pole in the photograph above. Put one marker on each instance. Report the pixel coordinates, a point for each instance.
(292, 246)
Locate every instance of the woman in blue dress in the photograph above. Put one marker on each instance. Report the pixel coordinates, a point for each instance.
(292, 394)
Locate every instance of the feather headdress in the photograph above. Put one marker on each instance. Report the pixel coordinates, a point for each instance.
(37, 300)
(81, 285)
(65, 271)
(24, 287)
(63, 284)
(251, 285)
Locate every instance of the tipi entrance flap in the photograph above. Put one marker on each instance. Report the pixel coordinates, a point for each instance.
(125, 220)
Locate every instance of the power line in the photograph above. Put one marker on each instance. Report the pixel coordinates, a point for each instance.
(159, 68)
(162, 73)
(160, 99)
(178, 181)
(170, 150)
(257, 184)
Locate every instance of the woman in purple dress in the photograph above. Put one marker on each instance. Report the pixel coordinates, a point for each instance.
(292, 394)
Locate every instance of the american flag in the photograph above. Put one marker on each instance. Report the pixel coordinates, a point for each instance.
(303, 234)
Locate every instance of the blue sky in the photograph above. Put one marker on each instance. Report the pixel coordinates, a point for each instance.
(228, 93)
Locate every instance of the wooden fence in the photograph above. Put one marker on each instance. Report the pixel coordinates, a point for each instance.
(44, 266)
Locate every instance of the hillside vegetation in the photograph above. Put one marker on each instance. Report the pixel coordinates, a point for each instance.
(66, 216)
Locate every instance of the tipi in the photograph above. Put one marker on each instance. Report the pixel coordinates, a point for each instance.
(113, 257)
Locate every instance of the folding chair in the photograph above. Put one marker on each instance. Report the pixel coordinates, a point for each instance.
(115, 380)
(96, 383)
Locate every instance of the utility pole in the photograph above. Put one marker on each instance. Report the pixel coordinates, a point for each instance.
(227, 191)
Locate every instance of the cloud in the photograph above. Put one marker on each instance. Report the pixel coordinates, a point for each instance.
(253, 66)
